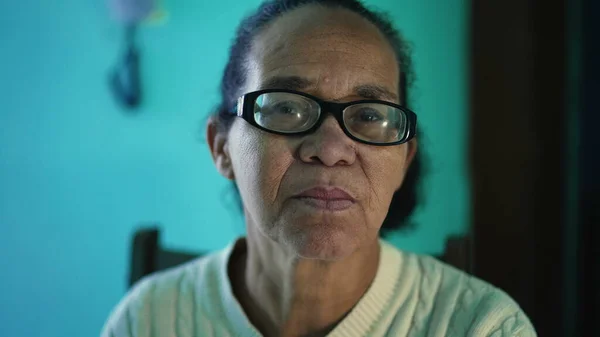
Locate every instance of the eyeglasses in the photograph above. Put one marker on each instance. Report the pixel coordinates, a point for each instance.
(288, 112)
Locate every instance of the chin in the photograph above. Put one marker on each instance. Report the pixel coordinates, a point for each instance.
(321, 241)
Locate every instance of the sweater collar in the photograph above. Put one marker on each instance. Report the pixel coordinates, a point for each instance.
(364, 317)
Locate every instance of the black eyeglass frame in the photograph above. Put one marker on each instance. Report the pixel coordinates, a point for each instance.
(245, 110)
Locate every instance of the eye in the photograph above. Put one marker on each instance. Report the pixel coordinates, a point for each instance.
(285, 112)
(368, 115)
(285, 108)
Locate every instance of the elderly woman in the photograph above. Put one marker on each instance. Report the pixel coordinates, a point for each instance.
(314, 131)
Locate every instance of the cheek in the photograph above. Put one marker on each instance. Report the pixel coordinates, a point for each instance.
(385, 171)
(259, 162)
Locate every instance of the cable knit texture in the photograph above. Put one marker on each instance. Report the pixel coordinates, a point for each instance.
(412, 295)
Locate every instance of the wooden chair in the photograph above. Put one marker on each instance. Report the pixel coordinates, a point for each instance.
(148, 256)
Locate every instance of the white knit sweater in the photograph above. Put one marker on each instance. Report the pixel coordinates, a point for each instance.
(411, 295)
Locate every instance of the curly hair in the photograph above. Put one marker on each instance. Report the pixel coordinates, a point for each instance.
(406, 199)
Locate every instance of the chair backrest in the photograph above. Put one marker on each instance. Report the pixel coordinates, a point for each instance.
(148, 256)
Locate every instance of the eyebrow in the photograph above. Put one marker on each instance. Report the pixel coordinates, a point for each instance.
(367, 91)
(374, 91)
(287, 82)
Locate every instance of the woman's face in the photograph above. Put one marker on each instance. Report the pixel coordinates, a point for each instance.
(336, 55)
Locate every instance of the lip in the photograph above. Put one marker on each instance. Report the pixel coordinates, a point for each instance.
(324, 193)
(326, 198)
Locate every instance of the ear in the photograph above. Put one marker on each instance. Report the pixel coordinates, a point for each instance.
(412, 151)
(217, 143)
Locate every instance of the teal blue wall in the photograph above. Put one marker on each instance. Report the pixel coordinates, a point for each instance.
(77, 175)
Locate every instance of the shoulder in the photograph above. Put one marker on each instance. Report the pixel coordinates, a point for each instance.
(467, 305)
(154, 303)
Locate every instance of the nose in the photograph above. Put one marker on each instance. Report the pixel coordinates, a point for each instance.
(328, 145)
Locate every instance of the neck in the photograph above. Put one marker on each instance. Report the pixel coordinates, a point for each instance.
(285, 295)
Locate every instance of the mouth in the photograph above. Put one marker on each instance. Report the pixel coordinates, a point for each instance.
(331, 199)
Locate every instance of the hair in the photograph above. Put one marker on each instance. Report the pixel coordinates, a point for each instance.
(406, 199)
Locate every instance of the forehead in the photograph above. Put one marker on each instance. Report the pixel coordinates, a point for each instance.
(331, 47)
